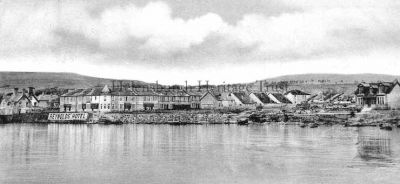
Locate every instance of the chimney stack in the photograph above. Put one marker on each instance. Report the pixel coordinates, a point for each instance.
(15, 92)
(31, 91)
(261, 86)
(186, 85)
(120, 85)
(113, 85)
(156, 85)
(207, 85)
(199, 84)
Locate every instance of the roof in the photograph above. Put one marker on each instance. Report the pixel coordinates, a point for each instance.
(296, 92)
(196, 93)
(243, 97)
(220, 96)
(215, 96)
(372, 89)
(47, 97)
(179, 93)
(14, 98)
(281, 98)
(263, 98)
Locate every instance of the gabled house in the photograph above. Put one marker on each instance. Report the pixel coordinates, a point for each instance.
(297, 96)
(15, 103)
(242, 99)
(279, 98)
(261, 99)
(211, 100)
(381, 94)
(48, 101)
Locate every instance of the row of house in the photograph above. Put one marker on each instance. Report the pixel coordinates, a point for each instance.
(137, 99)
(105, 99)
(128, 99)
(212, 99)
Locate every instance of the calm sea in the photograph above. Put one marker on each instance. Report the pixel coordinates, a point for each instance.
(65, 153)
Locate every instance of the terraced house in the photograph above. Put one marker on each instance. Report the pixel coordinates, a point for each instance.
(127, 99)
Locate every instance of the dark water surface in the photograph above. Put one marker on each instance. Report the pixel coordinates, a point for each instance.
(65, 153)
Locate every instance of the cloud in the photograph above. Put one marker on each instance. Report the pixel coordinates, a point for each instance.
(153, 23)
(154, 34)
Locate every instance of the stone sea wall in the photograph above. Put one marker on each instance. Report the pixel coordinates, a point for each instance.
(160, 118)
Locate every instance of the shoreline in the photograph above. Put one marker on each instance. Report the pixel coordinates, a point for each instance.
(376, 118)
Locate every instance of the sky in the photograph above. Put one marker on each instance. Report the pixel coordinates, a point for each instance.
(217, 40)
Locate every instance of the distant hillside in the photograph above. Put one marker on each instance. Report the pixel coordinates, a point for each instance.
(333, 78)
(317, 83)
(47, 80)
(312, 83)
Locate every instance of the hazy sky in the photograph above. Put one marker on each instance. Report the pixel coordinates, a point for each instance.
(217, 40)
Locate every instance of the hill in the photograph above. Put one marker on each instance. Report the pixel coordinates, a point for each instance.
(48, 80)
(317, 83)
(312, 83)
(335, 78)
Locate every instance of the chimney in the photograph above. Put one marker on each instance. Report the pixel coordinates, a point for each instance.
(31, 91)
(186, 85)
(199, 84)
(120, 85)
(132, 84)
(207, 85)
(261, 86)
(15, 92)
(113, 85)
(156, 85)
(23, 91)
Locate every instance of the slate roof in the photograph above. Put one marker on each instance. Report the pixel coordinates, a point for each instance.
(196, 93)
(296, 92)
(263, 98)
(47, 98)
(174, 93)
(214, 94)
(14, 98)
(281, 98)
(372, 89)
(243, 97)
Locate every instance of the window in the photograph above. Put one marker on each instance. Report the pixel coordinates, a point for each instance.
(126, 98)
(108, 106)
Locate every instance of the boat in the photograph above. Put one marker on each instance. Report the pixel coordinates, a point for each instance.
(314, 125)
(385, 126)
(106, 121)
(303, 125)
(242, 121)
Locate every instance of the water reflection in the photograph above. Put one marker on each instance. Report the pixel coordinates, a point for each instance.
(57, 153)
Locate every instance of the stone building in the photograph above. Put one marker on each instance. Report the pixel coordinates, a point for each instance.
(297, 96)
(381, 95)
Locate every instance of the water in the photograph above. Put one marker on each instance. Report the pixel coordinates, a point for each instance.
(58, 153)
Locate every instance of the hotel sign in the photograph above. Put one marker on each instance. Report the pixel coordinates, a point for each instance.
(68, 116)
